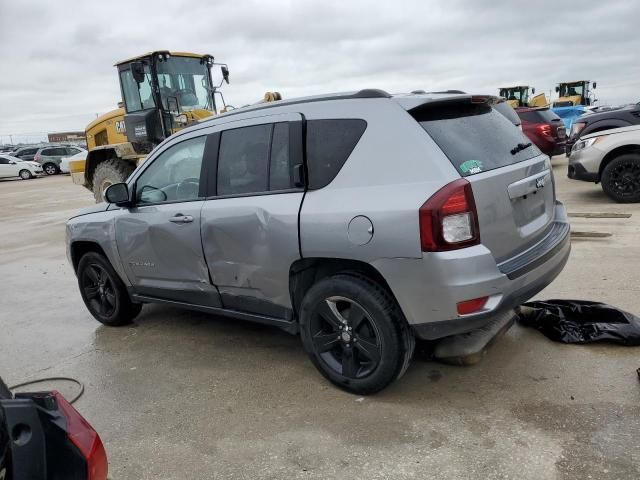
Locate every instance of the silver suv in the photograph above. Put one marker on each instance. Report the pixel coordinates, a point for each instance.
(360, 221)
(51, 157)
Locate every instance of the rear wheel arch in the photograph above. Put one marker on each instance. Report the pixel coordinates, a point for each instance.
(615, 153)
(306, 272)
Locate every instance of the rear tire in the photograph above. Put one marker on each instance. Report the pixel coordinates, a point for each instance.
(621, 178)
(107, 173)
(25, 174)
(355, 334)
(50, 168)
(103, 293)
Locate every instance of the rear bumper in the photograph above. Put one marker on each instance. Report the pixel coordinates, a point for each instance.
(429, 289)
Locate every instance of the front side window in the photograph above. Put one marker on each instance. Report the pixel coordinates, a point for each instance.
(4, 161)
(137, 96)
(174, 175)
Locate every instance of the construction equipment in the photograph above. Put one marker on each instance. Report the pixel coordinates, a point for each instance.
(573, 100)
(518, 96)
(575, 93)
(162, 92)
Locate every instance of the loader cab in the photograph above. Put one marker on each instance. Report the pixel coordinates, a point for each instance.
(516, 96)
(571, 94)
(164, 92)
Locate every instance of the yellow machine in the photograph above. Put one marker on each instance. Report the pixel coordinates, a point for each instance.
(162, 92)
(575, 93)
(518, 96)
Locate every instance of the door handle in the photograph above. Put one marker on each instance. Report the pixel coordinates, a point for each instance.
(179, 218)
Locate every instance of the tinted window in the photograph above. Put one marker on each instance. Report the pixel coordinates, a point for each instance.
(4, 161)
(52, 152)
(28, 151)
(243, 160)
(539, 116)
(329, 144)
(72, 151)
(174, 176)
(475, 137)
(279, 167)
(505, 109)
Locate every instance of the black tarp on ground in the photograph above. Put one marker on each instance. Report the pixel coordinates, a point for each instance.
(581, 321)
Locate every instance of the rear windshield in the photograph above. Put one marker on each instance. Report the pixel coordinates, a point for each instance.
(475, 137)
(539, 116)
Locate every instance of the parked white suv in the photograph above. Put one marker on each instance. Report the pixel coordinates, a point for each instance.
(359, 221)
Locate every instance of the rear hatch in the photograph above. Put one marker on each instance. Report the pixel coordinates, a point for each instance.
(544, 116)
(511, 179)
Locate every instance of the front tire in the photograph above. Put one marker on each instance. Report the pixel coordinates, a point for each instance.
(621, 178)
(25, 174)
(355, 334)
(50, 168)
(109, 172)
(103, 293)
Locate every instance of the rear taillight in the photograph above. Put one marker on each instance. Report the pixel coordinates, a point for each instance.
(449, 220)
(545, 130)
(36, 157)
(85, 438)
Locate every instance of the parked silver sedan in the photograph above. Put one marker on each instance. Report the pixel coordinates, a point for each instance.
(612, 158)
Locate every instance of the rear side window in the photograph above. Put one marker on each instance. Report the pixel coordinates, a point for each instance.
(279, 163)
(475, 137)
(243, 161)
(539, 116)
(329, 144)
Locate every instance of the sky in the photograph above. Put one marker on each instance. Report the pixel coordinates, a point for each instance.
(57, 57)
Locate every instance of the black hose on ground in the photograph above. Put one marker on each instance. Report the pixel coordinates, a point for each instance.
(54, 379)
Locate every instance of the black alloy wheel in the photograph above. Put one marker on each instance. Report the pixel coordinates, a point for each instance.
(355, 333)
(345, 337)
(621, 179)
(99, 290)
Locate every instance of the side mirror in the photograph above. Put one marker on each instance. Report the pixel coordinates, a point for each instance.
(225, 73)
(533, 90)
(594, 85)
(557, 89)
(118, 194)
(137, 69)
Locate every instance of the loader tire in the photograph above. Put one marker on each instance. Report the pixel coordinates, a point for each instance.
(109, 172)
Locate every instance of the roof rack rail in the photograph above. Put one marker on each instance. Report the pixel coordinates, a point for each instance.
(450, 91)
(371, 93)
(418, 92)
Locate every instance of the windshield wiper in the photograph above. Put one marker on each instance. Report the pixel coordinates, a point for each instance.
(520, 147)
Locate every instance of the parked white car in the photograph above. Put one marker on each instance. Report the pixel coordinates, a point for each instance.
(14, 167)
(64, 163)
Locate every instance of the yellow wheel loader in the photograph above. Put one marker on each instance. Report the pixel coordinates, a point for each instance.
(162, 92)
(575, 93)
(518, 96)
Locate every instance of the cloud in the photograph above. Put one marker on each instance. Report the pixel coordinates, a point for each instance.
(57, 57)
